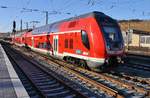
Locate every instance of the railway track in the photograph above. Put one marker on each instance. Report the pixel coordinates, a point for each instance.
(107, 78)
(30, 88)
(144, 67)
(47, 83)
(136, 74)
(121, 85)
(113, 86)
(138, 62)
(139, 56)
(135, 83)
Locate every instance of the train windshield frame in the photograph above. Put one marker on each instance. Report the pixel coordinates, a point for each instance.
(111, 31)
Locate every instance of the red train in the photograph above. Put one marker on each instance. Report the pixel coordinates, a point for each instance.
(91, 40)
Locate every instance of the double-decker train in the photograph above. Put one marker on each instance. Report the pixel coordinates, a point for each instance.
(92, 40)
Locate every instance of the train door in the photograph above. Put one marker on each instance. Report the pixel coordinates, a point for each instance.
(55, 44)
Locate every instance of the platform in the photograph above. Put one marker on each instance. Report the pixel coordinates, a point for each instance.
(10, 84)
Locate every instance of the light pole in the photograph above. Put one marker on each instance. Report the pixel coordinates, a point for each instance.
(127, 39)
(128, 32)
(21, 25)
(46, 17)
(37, 10)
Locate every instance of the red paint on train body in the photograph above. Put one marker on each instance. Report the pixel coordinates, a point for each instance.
(92, 39)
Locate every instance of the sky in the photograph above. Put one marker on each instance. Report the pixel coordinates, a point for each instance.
(61, 9)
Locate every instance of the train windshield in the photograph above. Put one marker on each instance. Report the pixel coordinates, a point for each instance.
(111, 32)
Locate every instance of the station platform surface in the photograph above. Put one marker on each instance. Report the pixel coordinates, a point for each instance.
(10, 84)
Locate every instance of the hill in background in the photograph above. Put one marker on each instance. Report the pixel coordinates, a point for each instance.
(142, 25)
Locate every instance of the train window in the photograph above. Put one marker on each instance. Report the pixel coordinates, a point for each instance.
(110, 29)
(107, 21)
(39, 45)
(66, 43)
(85, 39)
(48, 45)
(71, 43)
(72, 24)
(111, 33)
(23, 39)
(44, 45)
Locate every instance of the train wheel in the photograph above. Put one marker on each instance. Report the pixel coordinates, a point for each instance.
(83, 64)
(69, 60)
(113, 61)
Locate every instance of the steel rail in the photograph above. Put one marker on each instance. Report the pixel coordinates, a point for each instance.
(103, 87)
(79, 94)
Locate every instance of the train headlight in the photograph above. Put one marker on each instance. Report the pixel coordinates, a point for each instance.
(108, 47)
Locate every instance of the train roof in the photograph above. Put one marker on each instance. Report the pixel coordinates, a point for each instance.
(93, 14)
(53, 27)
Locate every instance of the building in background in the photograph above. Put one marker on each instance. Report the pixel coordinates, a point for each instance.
(136, 34)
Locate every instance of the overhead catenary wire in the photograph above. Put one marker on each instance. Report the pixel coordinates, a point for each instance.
(71, 7)
(14, 18)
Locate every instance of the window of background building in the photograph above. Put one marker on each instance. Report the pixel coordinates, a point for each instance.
(142, 39)
(147, 40)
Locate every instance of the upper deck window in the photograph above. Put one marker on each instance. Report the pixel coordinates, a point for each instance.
(72, 24)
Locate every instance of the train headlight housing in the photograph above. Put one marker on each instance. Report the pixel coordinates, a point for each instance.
(108, 46)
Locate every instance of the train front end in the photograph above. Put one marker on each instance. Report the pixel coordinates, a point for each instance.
(114, 46)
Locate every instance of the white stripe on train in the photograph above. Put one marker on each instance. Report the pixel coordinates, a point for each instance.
(98, 60)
